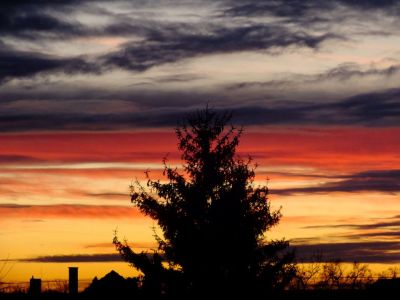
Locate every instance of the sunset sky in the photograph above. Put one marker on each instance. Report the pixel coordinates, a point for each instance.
(90, 93)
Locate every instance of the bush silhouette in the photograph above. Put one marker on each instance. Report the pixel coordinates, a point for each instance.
(213, 218)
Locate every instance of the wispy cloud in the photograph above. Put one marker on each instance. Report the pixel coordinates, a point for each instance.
(341, 73)
(22, 64)
(394, 222)
(377, 234)
(67, 211)
(75, 258)
(168, 47)
(284, 146)
(142, 245)
(28, 19)
(297, 9)
(367, 109)
(51, 81)
(377, 180)
(367, 252)
(154, 42)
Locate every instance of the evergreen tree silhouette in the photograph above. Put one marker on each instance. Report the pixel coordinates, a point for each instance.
(213, 218)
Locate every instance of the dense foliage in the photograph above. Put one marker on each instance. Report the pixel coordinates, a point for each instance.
(213, 219)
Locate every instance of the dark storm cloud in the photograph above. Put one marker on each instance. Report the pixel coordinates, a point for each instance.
(349, 70)
(145, 99)
(171, 46)
(143, 119)
(186, 77)
(159, 48)
(380, 181)
(25, 25)
(371, 109)
(163, 42)
(298, 8)
(371, 4)
(342, 72)
(160, 41)
(21, 64)
(37, 19)
(367, 252)
(281, 8)
(322, 15)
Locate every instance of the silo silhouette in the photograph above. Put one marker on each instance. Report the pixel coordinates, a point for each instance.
(35, 286)
(73, 280)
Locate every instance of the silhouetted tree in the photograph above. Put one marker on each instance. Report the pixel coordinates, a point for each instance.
(213, 218)
(307, 273)
(359, 277)
(333, 275)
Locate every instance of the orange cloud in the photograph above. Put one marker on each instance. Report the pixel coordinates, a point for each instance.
(340, 149)
(68, 211)
(336, 149)
(137, 146)
(95, 173)
(137, 245)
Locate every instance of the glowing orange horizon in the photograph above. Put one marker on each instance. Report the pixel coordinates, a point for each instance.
(77, 184)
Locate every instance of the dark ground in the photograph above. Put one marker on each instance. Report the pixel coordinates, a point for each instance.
(287, 295)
